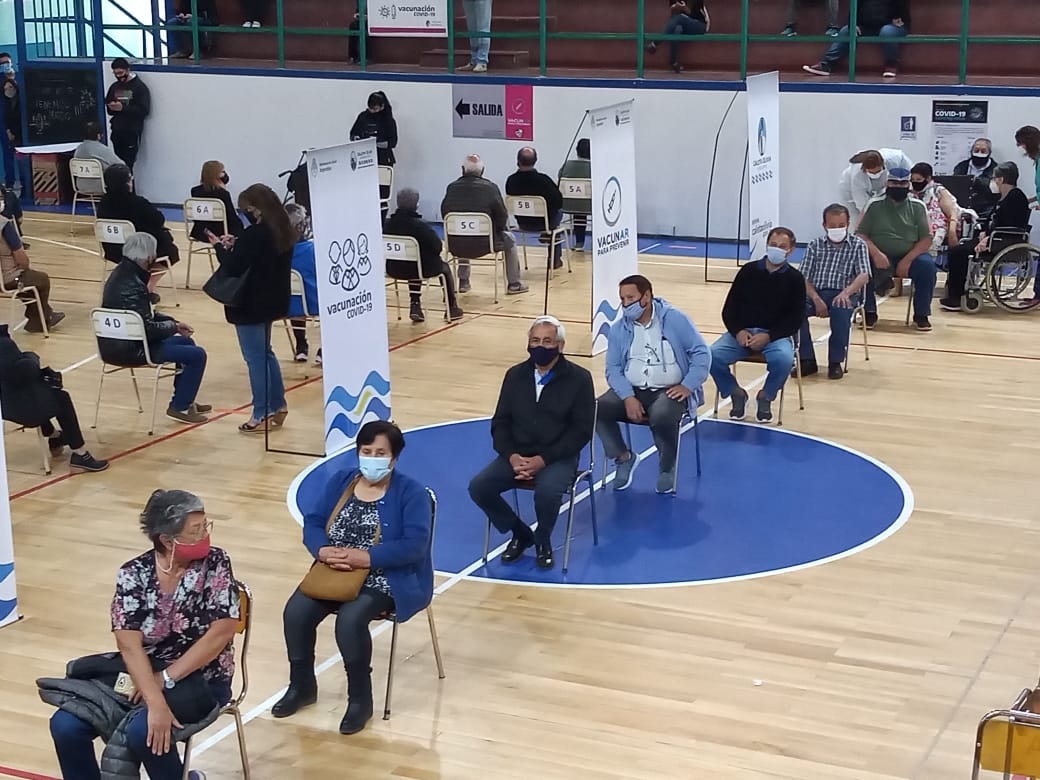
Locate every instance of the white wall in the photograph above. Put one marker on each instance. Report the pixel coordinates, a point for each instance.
(258, 125)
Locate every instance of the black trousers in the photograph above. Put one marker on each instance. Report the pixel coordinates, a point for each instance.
(126, 143)
(303, 615)
(354, 43)
(254, 10)
(415, 287)
(957, 261)
(67, 419)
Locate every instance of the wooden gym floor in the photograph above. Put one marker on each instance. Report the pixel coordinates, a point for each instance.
(876, 666)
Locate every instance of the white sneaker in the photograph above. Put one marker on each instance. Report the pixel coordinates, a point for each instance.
(480, 67)
(247, 23)
(301, 357)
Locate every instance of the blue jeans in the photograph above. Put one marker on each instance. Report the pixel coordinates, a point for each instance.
(265, 375)
(192, 361)
(74, 744)
(681, 24)
(9, 166)
(726, 351)
(923, 273)
(550, 484)
(839, 50)
(841, 326)
(478, 20)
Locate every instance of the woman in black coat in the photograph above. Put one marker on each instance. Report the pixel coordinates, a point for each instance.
(377, 121)
(31, 401)
(263, 252)
(213, 184)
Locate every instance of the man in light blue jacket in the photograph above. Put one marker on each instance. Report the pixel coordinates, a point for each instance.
(656, 364)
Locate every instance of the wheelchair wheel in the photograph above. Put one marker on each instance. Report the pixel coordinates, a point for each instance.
(971, 303)
(1008, 277)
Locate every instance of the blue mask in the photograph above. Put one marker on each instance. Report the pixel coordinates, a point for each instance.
(776, 255)
(374, 469)
(633, 311)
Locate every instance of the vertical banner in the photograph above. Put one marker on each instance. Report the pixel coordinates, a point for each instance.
(419, 19)
(348, 248)
(955, 126)
(8, 598)
(763, 113)
(615, 254)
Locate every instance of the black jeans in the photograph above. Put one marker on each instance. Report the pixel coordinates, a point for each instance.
(66, 417)
(663, 415)
(126, 143)
(415, 287)
(303, 615)
(580, 223)
(254, 10)
(550, 484)
(354, 43)
(957, 261)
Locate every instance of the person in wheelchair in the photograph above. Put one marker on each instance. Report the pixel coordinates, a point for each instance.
(1010, 213)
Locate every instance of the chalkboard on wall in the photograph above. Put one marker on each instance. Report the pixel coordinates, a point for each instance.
(59, 102)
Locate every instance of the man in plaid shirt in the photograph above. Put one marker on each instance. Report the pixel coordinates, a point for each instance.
(836, 268)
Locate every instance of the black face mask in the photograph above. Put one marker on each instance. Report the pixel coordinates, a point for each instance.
(224, 177)
(918, 185)
(250, 217)
(980, 160)
(898, 194)
(543, 356)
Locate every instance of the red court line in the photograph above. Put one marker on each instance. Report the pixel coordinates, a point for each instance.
(11, 772)
(221, 416)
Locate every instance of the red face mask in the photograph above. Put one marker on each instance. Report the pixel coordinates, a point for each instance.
(195, 551)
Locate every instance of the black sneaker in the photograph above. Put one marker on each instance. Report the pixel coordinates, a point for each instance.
(455, 313)
(832, 32)
(789, 31)
(835, 371)
(922, 324)
(651, 47)
(764, 412)
(154, 298)
(738, 409)
(415, 312)
(86, 462)
(950, 304)
(809, 368)
(871, 319)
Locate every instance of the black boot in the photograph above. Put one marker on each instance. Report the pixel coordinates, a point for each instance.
(359, 701)
(302, 692)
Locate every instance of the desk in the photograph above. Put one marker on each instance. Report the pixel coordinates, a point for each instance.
(51, 182)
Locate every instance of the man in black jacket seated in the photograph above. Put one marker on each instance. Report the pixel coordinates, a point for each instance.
(528, 180)
(32, 396)
(407, 221)
(169, 341)
(542, 421)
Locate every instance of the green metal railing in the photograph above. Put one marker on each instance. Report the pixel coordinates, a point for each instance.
(543, 36)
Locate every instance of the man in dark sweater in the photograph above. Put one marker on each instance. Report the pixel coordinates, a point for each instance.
(129, 103)
(531, 182)
(889, 19)
(762, 312)
(541, 424)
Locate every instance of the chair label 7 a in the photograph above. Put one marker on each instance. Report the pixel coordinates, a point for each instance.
(84, 168)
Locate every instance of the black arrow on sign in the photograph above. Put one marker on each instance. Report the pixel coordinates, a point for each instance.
(462, 109)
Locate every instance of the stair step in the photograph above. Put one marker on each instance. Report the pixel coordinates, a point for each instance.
(499, 58)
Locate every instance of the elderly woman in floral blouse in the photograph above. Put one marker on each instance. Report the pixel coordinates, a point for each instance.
(175, 612)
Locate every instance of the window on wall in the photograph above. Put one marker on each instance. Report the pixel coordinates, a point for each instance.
(63, 28)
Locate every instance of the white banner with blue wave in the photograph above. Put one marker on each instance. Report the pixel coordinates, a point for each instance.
(615, 251)
(348, 248)
(8, 597)
(763, 115)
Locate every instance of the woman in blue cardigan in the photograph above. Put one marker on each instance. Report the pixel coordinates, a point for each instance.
(400, 578)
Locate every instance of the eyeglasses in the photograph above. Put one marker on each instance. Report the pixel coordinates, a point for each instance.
(206, 529)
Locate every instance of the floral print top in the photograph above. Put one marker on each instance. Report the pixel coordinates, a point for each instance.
(355, 526)
(173, 622)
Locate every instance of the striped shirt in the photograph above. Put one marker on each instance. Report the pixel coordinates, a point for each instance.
(830, 266)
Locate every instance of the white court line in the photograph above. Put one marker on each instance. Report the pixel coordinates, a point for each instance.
(465, 573)
(647, 249)
(78, 364)
(93, 252)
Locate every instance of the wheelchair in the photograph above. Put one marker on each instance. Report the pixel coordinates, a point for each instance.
(1003, 274)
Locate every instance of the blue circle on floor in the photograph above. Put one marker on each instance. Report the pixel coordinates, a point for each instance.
(767, 501)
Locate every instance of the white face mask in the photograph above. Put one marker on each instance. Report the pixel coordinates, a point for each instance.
(837, 235)
(994, 187)
(875, 176)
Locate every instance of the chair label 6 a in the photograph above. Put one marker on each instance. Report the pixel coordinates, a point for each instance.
(206, 211)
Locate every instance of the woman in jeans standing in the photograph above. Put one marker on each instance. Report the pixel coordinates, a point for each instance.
(264, 252)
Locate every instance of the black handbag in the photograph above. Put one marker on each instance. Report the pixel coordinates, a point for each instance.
(190, 700)
(225, 288)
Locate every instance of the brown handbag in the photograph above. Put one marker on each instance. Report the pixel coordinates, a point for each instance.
(324, 583)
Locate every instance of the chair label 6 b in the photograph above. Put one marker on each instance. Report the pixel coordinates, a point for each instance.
(113, 231)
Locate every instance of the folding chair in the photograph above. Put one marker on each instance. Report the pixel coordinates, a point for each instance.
(234, 707)
(1008, 741)
(298, 290)
(473, 225)
(859, 317)
(117, 231)
(687, 417)
(429, 617)
(577, 189)
(85, 170)
(14, 294)
(126, 325)
(45, 446)
(386, 184)
(759, 358)
(534, 207)
(202, 210)
(405, 249)
(581, 475)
